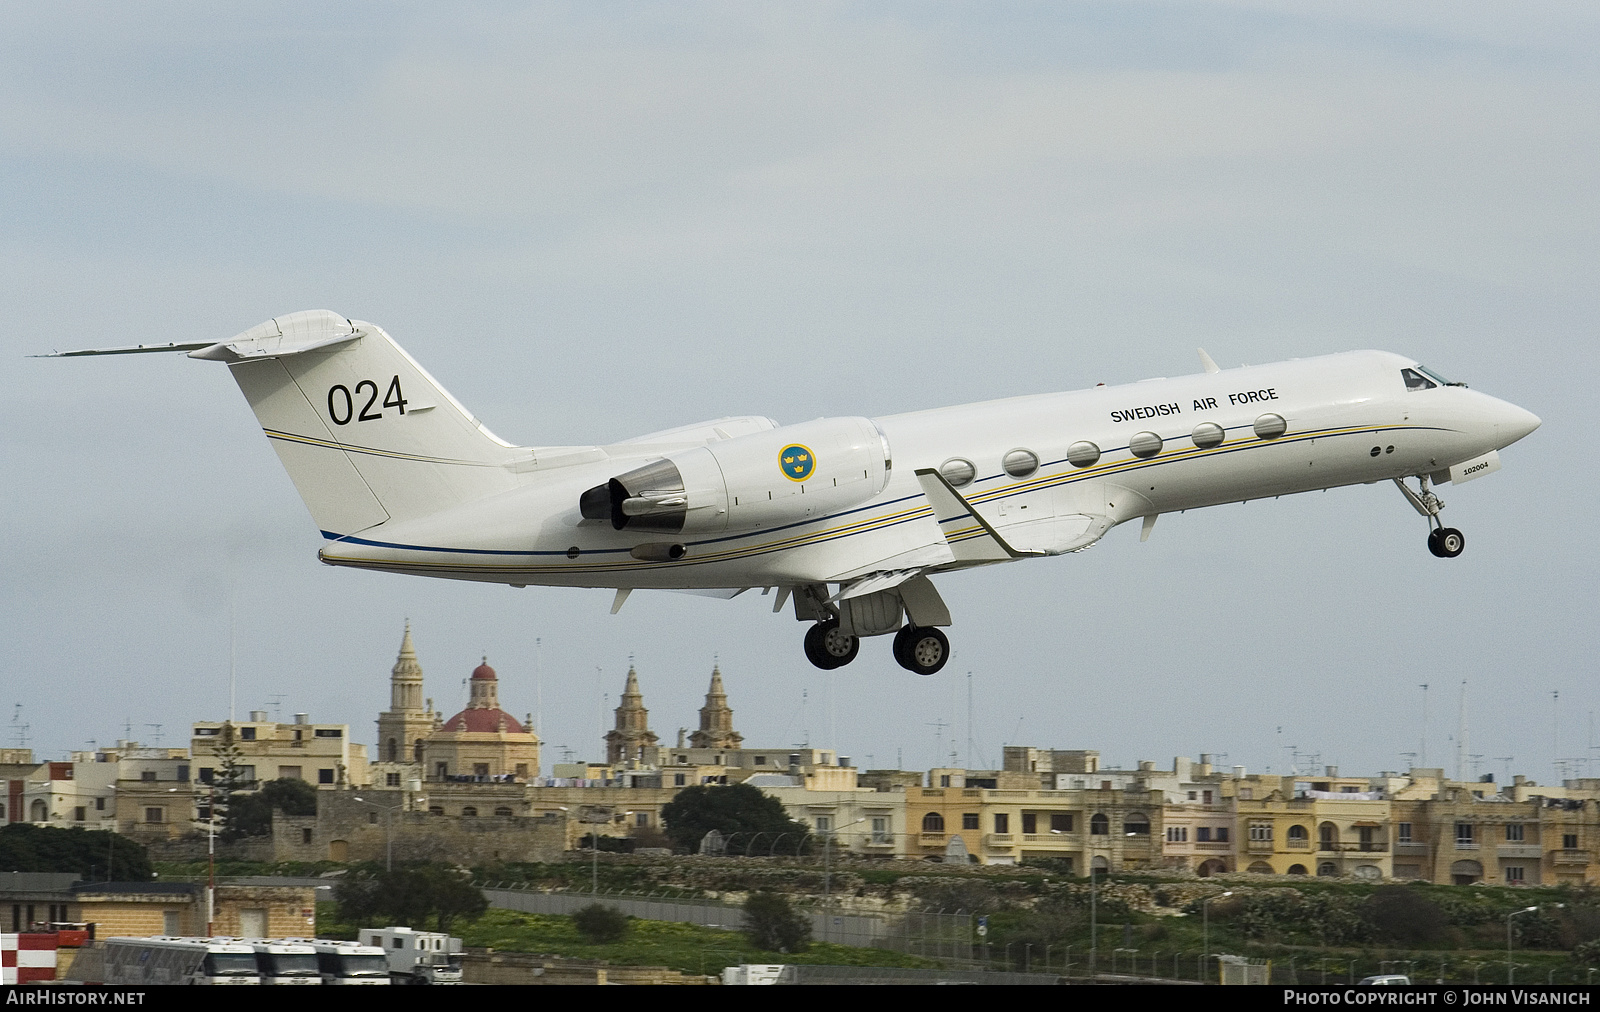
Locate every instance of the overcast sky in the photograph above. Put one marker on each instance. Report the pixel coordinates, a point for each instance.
(594, 220)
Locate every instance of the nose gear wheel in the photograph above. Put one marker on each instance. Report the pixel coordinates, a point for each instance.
(1445, 542)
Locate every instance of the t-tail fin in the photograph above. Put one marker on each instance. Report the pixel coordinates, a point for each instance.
(364, 432)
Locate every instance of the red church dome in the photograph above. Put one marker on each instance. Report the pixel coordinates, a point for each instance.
(482, 720)
(483, 672)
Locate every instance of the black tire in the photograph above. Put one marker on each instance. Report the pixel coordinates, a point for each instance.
(899, 649)
(1451, 543)
(1436, 543)
(828, 648)
(923, 650)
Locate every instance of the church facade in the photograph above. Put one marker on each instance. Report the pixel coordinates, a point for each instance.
(416, 744)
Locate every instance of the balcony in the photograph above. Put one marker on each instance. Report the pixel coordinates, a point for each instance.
(930, 839)
(880, 840)
(1063, 840)
(1294, 844)
(1531, 851)
(1572, 857)
(1411, 847)
(999, 841)
(1259, 846)
(1213, 846)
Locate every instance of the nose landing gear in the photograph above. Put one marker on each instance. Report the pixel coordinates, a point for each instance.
(1444, 542)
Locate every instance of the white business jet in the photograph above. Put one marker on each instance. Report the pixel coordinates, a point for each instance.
(847, 517)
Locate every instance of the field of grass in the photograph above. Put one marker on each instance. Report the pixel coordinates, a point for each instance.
(687, 948)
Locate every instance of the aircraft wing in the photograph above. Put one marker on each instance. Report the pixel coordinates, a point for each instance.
(970, 536)
(974, 539)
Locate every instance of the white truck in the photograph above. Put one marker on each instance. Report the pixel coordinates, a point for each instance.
(283, 962)
(347, 962)
(168, 960)
(417, 957)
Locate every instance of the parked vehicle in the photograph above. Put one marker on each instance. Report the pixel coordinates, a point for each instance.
(347, 962)
(283, 962)
(168, 960)
(417, 957)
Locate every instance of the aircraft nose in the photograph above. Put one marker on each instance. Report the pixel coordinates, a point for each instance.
(1512, 423)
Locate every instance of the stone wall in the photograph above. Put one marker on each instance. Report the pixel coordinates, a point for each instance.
(485, 966)
(347, 830)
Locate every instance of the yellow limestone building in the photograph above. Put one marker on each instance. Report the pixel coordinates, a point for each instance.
(482, 742)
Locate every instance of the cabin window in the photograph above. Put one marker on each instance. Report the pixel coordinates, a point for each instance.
(1019, 463)
(958, 471)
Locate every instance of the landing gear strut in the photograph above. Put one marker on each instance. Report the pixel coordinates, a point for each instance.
(922, 649)
(829, 647)
(1445, 542)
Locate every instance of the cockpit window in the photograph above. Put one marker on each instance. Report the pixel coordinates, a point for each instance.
(1416, 381)
(1431, 374)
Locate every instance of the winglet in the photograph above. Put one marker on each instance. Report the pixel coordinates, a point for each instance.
(1205, 360)
(970, 536)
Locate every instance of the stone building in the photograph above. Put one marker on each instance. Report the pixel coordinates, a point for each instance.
(463, 823)
(482, 742)
(409, 720)
(627, 741)
(155, 908)
(261, 749)
(716, 719)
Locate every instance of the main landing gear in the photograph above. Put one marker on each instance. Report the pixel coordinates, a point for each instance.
(922, 649)
(1444, 542)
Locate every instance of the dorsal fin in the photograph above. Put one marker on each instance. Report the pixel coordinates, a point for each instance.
(1206, 361)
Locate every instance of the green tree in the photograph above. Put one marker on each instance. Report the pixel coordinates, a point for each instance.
(729, 809)
(251, 814)
(772, 924)
(85, 852)
(600, 923)
(1403, 915)
(411, 896)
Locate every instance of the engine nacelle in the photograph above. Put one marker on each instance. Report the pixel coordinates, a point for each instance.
(785, 475)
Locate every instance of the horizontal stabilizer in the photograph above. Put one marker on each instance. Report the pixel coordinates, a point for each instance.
(971, 537)
(137, 349)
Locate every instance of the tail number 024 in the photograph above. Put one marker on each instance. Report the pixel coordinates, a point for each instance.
(342, 406)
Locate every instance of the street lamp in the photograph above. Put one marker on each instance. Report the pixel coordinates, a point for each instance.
(1511, 973)
(1205, 914)
(388, 836)
(595, 820)
(827, 870)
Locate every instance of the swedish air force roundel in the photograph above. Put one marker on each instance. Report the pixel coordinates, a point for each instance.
(797, 462)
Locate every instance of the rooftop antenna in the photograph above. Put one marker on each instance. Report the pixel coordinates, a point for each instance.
(538, 683)
(233, 646)
(1461, 733)
(19, 730)
(1507, 760)
(1555, 723)
(277, 707)
(938, 736)
(155, 734)
(1423, 752)
(1476, 759)
(1294, 764)
(969, 720)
